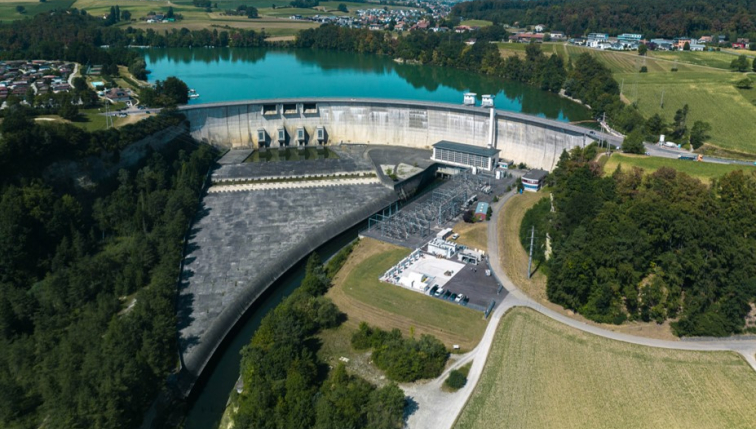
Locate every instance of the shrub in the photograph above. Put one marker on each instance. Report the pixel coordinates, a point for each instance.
(456, 380)
(644, 69)
(403, 359)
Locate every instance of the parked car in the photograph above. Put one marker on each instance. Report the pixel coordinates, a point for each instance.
(446, 294)
(433, 290)
(453, 297)
(460, 297)
(439, 291)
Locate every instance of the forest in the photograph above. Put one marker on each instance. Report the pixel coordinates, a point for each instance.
(656, 247)
(72, 35)
(88, 272)
(651, 18)
(287, 386)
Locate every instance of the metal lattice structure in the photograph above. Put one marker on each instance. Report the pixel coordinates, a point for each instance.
(444, 204)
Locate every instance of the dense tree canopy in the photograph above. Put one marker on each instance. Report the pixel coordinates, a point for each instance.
(88, 273)
(654, 247)
(283, 388)
(652, 18)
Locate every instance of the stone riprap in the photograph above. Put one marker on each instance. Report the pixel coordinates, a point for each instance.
(536, 141)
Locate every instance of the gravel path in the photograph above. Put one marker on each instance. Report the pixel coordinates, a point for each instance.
(434, 409)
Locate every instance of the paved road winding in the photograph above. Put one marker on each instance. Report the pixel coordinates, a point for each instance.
(435, 409)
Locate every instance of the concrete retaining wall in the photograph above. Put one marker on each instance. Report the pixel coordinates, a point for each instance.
(536, 141)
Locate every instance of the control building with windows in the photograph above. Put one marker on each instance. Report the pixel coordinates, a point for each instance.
(465, 155)
(533, 180)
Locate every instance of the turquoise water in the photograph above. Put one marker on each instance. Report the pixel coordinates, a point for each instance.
(238, 74)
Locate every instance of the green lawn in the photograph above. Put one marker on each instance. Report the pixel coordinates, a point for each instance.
(358, 293)
(363, 285)
(542, 374)
(702, 170)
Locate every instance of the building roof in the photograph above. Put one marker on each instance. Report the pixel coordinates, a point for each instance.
(536, 175)
(466, 148)
(481, 208)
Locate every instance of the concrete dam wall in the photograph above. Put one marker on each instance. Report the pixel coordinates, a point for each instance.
(536, 141)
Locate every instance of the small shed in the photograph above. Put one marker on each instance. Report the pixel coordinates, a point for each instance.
(481, 211)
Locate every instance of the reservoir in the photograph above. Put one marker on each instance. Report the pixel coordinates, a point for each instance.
(228, 74)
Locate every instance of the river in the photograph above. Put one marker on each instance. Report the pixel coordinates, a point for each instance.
(238, 74)
(226, 74)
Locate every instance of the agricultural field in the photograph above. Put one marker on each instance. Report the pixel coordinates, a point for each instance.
(358, 293)
(508, 49)
(8, 10)
(476, 23)
(709, 92)
(277, 24)
(719, 60)
(543, 374)
(705, 171)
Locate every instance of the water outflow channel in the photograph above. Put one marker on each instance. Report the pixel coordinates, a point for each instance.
(213, 389)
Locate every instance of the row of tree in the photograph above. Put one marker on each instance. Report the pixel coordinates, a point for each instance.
(587, 79)
(652, 247)
(88, 272)
(652, 18)
(283, 387)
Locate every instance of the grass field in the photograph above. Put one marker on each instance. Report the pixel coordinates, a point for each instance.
(359, 294)
(8, 8)
(473, 234)
(476, 23)
(514, 259)
(542, 374)
(707, 89)
(702, 170)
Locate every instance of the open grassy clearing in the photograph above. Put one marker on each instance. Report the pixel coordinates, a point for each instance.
(702, 170)
(508, 49)
(473, 234)
(359, 294)
(514, 259)
(542, 374)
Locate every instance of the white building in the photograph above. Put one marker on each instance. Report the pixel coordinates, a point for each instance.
(442, 248)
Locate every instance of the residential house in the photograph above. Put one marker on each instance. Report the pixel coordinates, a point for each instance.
(116, 95)
(539, 28)
(557, 35)
(704, 40)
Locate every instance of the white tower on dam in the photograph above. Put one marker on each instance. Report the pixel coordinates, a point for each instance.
(536, 141)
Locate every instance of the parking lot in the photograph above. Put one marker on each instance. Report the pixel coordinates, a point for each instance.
(440, 278)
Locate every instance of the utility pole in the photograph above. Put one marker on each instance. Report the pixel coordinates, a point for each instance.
(530, 258)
